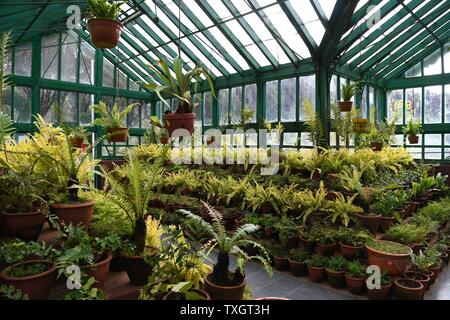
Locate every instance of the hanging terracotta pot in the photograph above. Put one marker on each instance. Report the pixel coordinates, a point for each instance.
(164, 140)
(105, 33)
(376, 146)
(176, 121)
(117, 135)
(413, 139)
(345, 106)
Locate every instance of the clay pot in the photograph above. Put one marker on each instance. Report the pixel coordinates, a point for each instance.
(25, 226)
(386, 223)
(376, 146)
(292, 243)
(413, 139)
(178, 296)
(444, 257)
(77, 143)
(394, 264)
(218, 292)
(117, 135)
(435, 271)
(316, 274)
(350, 252)
(336, 279)
(75, 214)
(99, 271)
(417, 247)
(179, 121)
(371, 222)
(281, 263)
(379, 294)
(298, 269)
(326, 250)
(307, 245)
(408, 289)
(345, 106)
(105, 33)
(355, 285)
(164, 140)
(137, 269)
(422, 278)
(116, 264)
(37, 286)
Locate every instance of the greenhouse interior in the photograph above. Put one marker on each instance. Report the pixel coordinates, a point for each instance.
(225, 150)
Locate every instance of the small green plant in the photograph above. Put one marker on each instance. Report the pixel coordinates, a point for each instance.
(11, 293)
(407, 234)
(78, 134)
(18, 251)
(314, 202)
(317, 261)
(412, 128)
(344, 209)
(322, 234)
(347, 92)
(385, 279)
(352, 236)
(313, 124)
(298, 255)
(356, 269)
(111, 118)
(105, 9)
(389, 247)
(86, 292)
(336, 263)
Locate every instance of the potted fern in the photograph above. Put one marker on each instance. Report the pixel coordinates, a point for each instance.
(412, 131)
(132, 186)
(222, 284)
(347, 93)
(103, 25)
(178, 87)
(78, 136)
(113, 120)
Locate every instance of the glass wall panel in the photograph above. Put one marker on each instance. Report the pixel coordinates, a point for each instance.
(69, 57)
(272, 101)
(414, 104)
(395, 105)
(288, 100)
(22, 60)
(87, 63)
(208, 106)
(236, 105)
(433, 104)
(49, 56)
(85, 101)
(250, 100)
(69, 105)
(433, 63)
(307, 91)
(22, 104)
(223, 106)
(49, 100)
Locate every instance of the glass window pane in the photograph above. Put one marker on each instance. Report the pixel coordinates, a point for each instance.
(433, 139)
(307, 91)
(413, 104)
(447, 103)
(7, 63)
(146, 112)
(415, 71)
(6, 101)
(207, 104)
(272, 101)
(395, 105)
(364, 103)
(250, 100)
(223, 106)
(85, 101)
(288, 99)
(121, 80)
(304, 140)
(432, 64)
(447, 58)
(22, 60)
(69, 105)
(108, 73)
(133, 85)
(333, 89)
(69, 54)
(236, 105)
(22, 104)
(290, 138)
(87, 63)
(134, 114)
(49, 99)
(433, 104)
(198, 109)
(433, 153)
(49, 57)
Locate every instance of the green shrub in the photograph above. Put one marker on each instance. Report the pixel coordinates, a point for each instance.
(356, 269)
(407, 234)
(337, 263)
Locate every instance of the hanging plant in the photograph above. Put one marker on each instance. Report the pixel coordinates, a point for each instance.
(103, 25)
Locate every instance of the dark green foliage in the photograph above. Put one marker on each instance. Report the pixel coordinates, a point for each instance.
(105, 9)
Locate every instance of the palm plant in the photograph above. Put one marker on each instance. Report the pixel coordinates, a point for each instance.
(111, 118)
(178, 87)
(6, 131)
(132, 187)
(344, 209)
(229, 244)
(348, 91)
(314, 202)
(105, 9)
(5, 47)
(313, 124)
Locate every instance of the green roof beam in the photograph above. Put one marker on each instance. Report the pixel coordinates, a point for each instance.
(320, 13)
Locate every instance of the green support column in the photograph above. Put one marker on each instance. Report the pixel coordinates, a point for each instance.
(98, 81)
(35, 76)
(323, 99)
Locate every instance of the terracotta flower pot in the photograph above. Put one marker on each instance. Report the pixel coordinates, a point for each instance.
(38, 286)
(422, 278)
(376, 146)
(116, 264)
(99, 271)
(105, 33)
(316, 274)
(408, 289)
(436, 271)
(77, 143)
(355, 285)
(281, 263)
(386, 223)
(350, 252)
(326, 250)
(394, 264)
(117, 135)
(336, 279)
(413, 139)
(75, 214)
(444, 257)
(175, 296)
(292, 242)
(25, 226)
(298, 269)
(345, 106)
(417, 247)
(307, 245)
(371, 222)
(179, 121)
(218, 292)
(379, 294)
(164, 140)
(137, 269)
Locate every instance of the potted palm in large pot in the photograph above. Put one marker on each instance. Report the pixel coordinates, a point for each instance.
(178, 87)
(131, 188)
(113, 120)
(103, 25)
(222, 284)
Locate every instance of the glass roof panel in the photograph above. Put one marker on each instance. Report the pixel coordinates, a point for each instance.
(309, 18)
(328, 6)
(229, 47)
